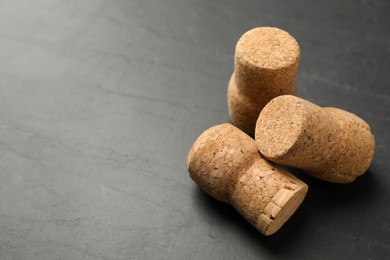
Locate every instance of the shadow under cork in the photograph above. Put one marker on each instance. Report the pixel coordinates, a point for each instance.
(280, 243)
(333, 195)
(322, 197)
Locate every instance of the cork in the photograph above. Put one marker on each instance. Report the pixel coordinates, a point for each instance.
(225, 162)
(265, 66)
(328, 143)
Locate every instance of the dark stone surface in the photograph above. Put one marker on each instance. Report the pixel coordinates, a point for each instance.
(100, 102)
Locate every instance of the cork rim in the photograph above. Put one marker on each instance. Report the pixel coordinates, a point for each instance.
(262, 48)
(279, 127)
(291, 67)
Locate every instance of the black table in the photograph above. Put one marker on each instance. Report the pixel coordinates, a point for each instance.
(101, 100)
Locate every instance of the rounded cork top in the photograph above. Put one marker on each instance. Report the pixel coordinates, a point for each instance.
(217, 156)
(280, 125)
(268, 48)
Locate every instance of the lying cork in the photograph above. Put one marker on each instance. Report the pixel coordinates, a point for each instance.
(225, 162)
(328, 143)
(266, 64)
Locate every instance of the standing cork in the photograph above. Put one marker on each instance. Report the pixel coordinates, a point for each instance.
(225, 162)
(266, 64)
(328, 143)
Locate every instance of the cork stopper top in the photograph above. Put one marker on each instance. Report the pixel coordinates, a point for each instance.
(280, 124)
(218, 155)
(268, 48)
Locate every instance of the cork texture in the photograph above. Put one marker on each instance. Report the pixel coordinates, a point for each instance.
(244, 110)
(225, 162)
(328, 143)
(265, 66)
(265, 57)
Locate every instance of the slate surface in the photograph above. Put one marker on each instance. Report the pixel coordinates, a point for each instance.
(100, 102)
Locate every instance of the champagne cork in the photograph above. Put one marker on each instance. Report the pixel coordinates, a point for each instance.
(265, 66)
(328, 143)
(225, 162)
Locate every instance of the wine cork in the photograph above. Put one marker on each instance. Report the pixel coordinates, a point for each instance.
(225, 162)
(328, 143)
(265, 66)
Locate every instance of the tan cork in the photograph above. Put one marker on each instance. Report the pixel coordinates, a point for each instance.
(225, 162)
(266, 64)
(328, 143)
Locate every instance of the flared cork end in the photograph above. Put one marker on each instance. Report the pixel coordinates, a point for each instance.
(217, 156)
(280, 209)
(279, 126)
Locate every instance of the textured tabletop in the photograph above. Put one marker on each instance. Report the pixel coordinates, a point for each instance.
(100, 102)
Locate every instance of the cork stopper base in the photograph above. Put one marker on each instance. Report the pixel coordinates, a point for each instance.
(279, 127)
(280, 209)
(267, 195)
